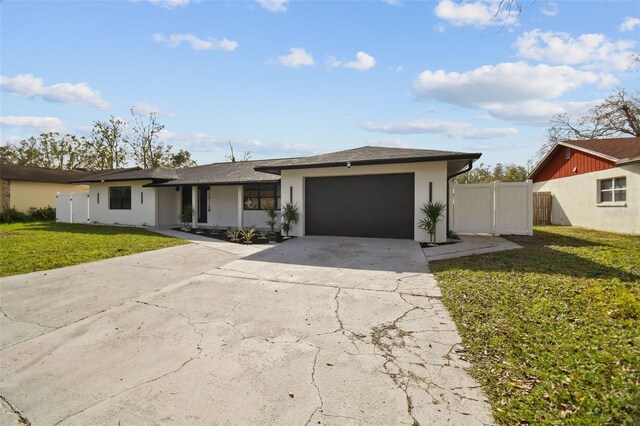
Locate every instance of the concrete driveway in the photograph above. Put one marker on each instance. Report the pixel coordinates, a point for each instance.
(317, 330)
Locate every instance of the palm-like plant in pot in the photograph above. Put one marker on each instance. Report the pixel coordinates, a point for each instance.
(432, 213)
(290, 216)
(272, 215)
(186, 216)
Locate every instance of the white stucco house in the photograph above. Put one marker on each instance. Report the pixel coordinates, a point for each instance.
(594, 183)
(368, 191)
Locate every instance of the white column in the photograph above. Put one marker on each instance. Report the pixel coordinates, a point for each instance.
(194, 206)
(240, 205)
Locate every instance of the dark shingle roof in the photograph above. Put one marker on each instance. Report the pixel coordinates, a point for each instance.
(617, 148)
(135, 173)
(364, 156)
(221, 174)
(39, 174)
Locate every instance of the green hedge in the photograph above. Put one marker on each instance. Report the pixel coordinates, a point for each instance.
(12, 215)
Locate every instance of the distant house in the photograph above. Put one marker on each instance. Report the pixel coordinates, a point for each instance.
(27, 188)
(365, 192)
(595, 183)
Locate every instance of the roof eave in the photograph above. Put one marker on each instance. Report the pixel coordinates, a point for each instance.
(115, 180)
(170, 184)
(277, 169)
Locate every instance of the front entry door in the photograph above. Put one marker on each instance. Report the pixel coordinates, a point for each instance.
(203, 204)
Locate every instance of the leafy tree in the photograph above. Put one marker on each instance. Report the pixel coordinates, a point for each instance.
(618, 115)
(8, 154)
(180, 159)
(50, 150)
(501, 173)
(108, 144)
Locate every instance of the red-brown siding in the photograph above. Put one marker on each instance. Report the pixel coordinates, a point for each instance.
(559, 166)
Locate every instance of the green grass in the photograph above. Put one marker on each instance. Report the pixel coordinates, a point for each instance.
(36, 246)
(552, 330)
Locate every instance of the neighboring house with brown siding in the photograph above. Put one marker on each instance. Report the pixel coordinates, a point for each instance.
(595, 183)
(26, 188)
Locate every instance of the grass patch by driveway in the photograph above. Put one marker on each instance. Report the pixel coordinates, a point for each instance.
(553, 330)
(36, 246)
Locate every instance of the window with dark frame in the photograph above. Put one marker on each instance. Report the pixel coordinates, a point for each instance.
(261, 196)
(612, 190)
(120, 198)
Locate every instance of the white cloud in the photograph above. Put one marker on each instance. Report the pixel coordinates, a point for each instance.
(210, 43)
(171, 4)
(396, 70)
(537, 112)
(362, 62)
(478, 13)
(277, 6)
(629, 23)
(505, 83)
(30, 123)
(592, 50)
(453, 129)
(550, 8)
(393, 2)
(413, 127)
(143, 108)
(66, 93)
(200, 142)
(297, 58)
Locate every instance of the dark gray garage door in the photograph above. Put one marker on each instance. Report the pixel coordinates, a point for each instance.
(360, 206)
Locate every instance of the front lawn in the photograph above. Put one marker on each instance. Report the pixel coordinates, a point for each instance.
(552, 330)
(35, 246)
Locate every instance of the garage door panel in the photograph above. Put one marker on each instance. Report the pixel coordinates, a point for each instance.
(379, 206)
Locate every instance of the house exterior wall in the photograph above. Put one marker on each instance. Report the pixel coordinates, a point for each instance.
(25, 195)
(168, 206)
(575, 201)
(436, 172)
(141, 213)
(559, 167)
(223, 203)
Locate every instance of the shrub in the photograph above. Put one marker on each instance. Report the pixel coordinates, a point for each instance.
(44, 213)
(12, 215)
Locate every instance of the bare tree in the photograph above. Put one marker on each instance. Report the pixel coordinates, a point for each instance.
(246, 154)
(618, 115)
(147, 149)
(108, 145)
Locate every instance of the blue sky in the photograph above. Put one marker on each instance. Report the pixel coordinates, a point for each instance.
(303, 77)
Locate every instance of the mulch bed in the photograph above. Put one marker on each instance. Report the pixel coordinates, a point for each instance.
(222, 236)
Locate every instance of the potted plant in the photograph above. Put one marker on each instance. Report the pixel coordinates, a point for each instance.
(432, 213)
(186, 217)
(233, 234)
(290, 216)
(248, 234)
(272, 214)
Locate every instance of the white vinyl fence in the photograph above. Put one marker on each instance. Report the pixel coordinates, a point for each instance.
(492, 208)
(72, 207)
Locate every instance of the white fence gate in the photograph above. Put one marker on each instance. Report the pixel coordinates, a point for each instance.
(493, 208)
(72, 207)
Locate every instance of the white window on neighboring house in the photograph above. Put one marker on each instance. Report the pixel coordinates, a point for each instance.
(612, 190)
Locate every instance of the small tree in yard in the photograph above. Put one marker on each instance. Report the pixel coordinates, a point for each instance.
(290, 216)
(432, 213)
